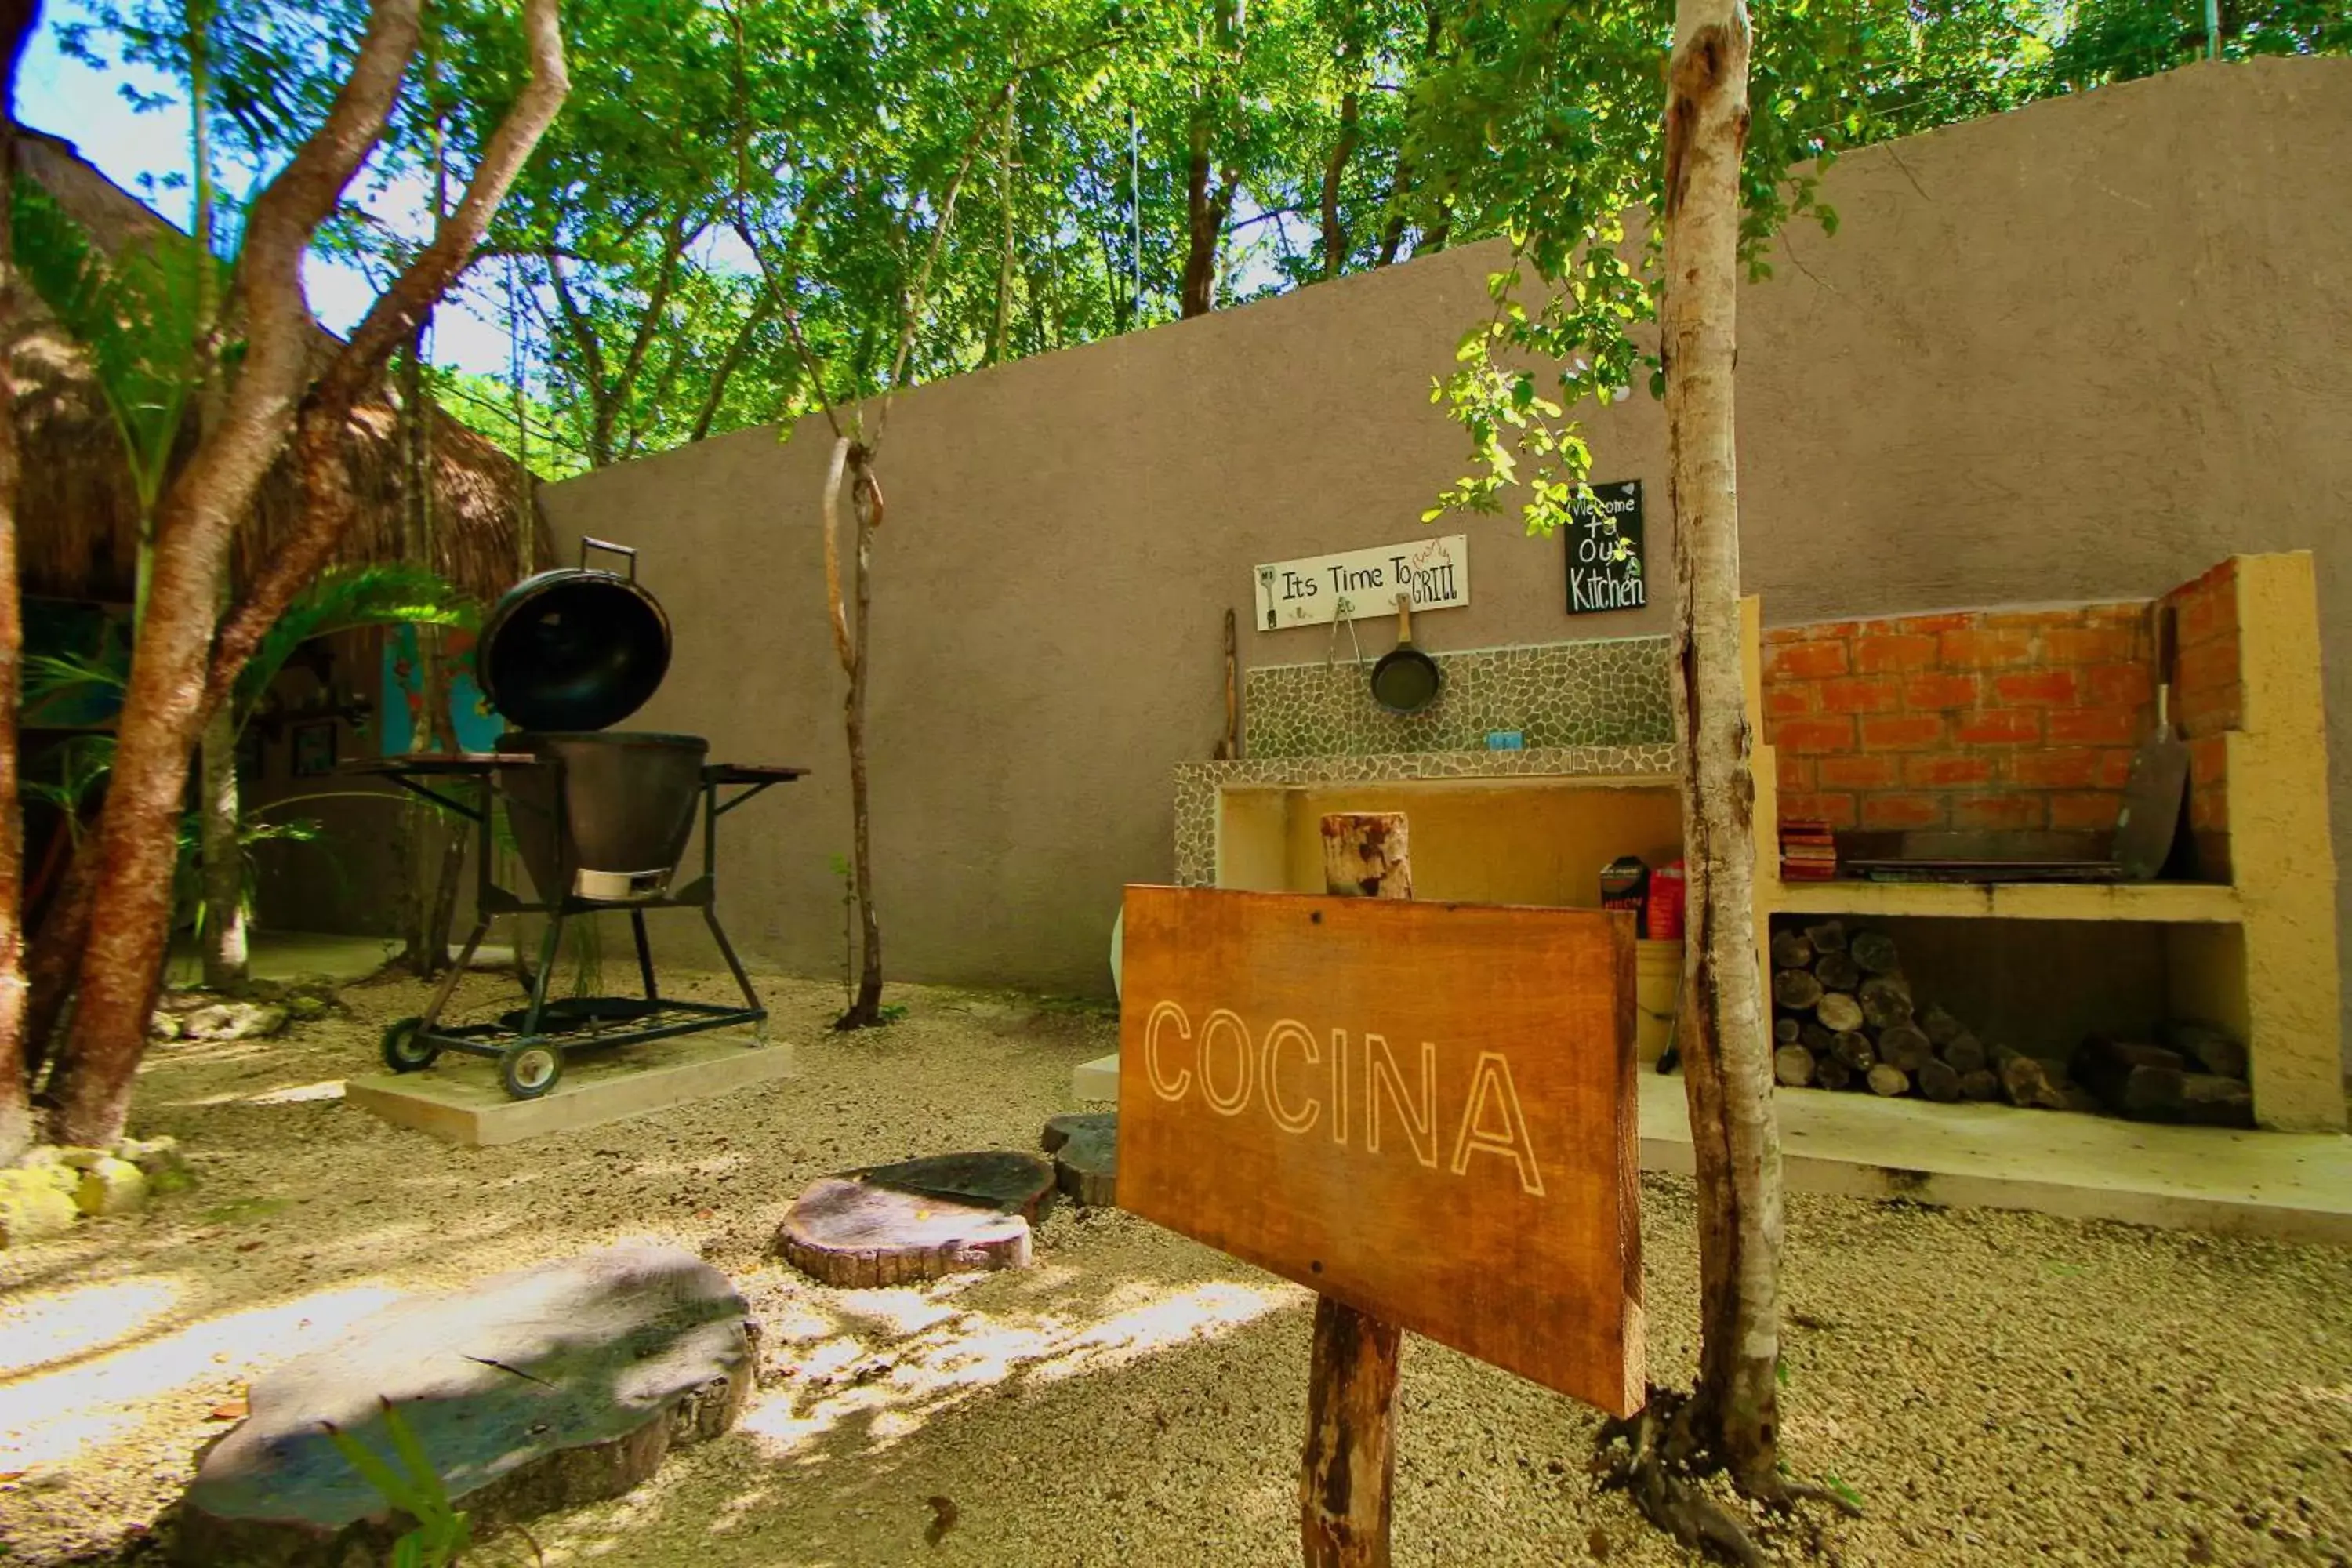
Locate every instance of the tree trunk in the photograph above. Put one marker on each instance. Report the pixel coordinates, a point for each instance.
(186, 658)
(53, 955)
(137, 837)
(1207, 208)
(1334, 236)
(866, 503)
(223, 857)
(16, 22)
(1727, 1050)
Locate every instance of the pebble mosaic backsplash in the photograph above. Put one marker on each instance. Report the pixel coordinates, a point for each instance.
(1611, 693)
(1198, 783)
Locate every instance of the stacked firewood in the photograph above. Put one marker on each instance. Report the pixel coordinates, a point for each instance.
(1844, 1018)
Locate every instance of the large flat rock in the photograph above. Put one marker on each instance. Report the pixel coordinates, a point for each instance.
(541, 1389)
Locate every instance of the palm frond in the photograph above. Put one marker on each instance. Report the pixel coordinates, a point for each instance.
(345, 600)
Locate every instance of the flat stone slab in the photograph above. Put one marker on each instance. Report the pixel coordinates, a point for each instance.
(1060, 1130)
(458, 1097)
(854, 1235)
(541, 1389)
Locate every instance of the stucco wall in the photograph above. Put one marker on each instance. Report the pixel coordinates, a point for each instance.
(2078, 353)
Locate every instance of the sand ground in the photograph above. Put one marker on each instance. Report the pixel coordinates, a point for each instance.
(2000, 1388)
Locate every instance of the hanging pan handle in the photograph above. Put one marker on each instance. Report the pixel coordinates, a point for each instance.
(586, 544)
(1405, 617)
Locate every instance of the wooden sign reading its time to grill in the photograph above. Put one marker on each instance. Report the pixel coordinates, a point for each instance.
(1425, 1112)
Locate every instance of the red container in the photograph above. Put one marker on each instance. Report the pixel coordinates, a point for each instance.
(1663, 916)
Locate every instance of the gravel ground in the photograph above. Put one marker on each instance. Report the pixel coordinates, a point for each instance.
(2000, 1388)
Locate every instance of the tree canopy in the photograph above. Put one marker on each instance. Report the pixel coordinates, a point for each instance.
(729, 171)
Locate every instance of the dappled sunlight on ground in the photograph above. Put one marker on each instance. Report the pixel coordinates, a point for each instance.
(51, 1417)
(943, 1354)
(44, 1331)
(1131, 1400)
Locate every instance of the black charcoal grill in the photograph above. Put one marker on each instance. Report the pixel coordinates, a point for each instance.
(600, 818)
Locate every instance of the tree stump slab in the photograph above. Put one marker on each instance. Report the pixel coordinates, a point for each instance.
(846, 1232)
(538, 1390)
(1001, 1179)
(1060, 1130)
(1087, 1167)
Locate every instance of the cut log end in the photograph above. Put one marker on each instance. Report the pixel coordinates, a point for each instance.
(1792, 1066)
(1837, 972)
(1906, 1047)
(848, 1234)
(1838, 1012)
(1937, 1082)
(1886, 1000)
(1889, 1080)
(1875, 951)
(1796, 988)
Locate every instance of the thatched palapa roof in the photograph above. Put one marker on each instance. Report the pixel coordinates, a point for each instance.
(77, 513)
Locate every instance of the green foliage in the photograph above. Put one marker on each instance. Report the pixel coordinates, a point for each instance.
(723, 174)
(2116, 41)
(136, 316)
(485, 404)
(346, 599)
(409, 1482)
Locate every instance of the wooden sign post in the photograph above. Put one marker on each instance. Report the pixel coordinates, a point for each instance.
(1347, 1472)
(1424, 1113)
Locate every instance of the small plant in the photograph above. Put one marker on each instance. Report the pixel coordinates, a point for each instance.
(892, 1012)
(442, 1532)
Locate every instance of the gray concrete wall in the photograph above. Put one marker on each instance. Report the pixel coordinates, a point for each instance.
(2079, 352)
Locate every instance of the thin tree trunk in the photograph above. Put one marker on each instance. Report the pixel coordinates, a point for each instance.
(225, 946)
(54, 954)
(418, 842)
(187, 660)
(1001, 329)
(1334, 238)
(865, 503)
(1205, 209)
(221, 858)
(16, 22)
(1726, 1053)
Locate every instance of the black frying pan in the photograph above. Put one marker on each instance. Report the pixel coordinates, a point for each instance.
(1406, 679)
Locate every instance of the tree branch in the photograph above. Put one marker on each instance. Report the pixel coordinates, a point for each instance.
(326, 413)
(582, 331)
(673, 250)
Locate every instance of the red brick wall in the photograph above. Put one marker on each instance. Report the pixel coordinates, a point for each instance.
(1979, 719)
(2208, 697)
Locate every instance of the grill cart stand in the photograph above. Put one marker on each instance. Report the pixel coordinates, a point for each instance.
(530, 1043)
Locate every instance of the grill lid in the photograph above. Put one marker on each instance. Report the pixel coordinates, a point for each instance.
(573, 649)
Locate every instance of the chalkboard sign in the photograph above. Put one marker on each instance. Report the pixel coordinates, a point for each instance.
(1604, 551)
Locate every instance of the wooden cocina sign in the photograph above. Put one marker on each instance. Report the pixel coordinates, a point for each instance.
(1424, 1111)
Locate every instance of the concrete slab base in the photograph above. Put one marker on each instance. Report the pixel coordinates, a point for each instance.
(458, 1099)
(1096, 1080)
(2294, 1186)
